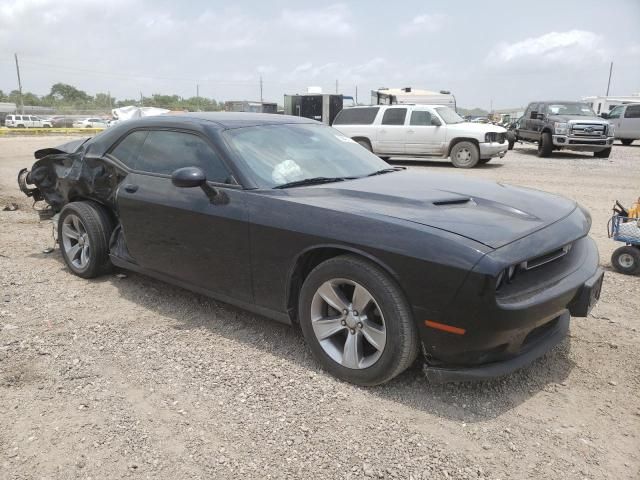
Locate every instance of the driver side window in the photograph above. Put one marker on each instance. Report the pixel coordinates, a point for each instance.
(616, 112)
(163, 151)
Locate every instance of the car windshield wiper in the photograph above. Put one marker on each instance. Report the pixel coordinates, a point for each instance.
(386, 170)
(313, 181)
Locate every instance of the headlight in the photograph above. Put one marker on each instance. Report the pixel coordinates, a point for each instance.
(611, 130)
(490, 137)
(561, 128)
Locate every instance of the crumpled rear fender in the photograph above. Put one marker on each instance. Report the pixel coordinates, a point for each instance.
(65, 177)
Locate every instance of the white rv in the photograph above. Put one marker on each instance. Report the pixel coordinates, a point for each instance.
(606, 104)
(408, 95)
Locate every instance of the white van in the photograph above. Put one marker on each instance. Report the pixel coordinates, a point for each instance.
(25, 121)
(626, 120)
(422, 131)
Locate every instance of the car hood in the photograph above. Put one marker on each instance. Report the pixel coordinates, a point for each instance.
(475, 127)
(491, 213)
(576, 118)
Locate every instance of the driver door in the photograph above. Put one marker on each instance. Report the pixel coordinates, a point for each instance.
(179, 232)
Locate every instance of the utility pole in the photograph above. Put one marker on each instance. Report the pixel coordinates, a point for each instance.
(110, 104)
(609, 82)
(141, 100)
(260, 88)
(356, 94)
(19, 84)
(198, 96)
(336, 85)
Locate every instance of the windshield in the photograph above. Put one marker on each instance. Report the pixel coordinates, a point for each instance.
(449, 115)
(279, 154)
(581, 109)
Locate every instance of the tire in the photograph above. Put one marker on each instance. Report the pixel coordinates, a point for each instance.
(88, 256)
(626, 260)
(387, 314)
(545, 145)
(626, 141)
(465, 155)
(603, 153)
(363, 142)
(484, 161)
(386, 159)
(19, 126)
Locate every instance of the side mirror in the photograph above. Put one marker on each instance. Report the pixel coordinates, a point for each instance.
(604, 115)
(188, 177)
(435, 122)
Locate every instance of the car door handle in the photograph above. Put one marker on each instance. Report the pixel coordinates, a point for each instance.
(130, 188)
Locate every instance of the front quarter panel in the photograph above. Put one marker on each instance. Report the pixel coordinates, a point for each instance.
(428, 264)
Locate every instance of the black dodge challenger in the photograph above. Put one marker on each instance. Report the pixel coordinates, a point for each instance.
(292, 220)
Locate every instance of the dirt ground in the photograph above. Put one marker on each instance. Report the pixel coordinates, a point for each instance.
(132, 378)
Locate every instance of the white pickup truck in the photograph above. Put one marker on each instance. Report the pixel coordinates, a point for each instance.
(422, 131)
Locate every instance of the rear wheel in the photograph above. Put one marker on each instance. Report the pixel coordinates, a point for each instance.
(356, 321)
(465, 155)
(626, 260)
(626, 141)
(603, 153)
(84, 230)
(545, 145)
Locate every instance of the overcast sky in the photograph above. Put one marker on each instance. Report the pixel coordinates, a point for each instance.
(507, 52)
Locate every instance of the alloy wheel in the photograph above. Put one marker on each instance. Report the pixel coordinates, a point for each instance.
(75, 241)
(348, 323)
(625, 260)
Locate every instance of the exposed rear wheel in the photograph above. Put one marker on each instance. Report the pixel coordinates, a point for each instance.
(626, 260)
(356, 321)
(84, 229)
(545, 145)
(465, 155)
(603, 153)
(626, 141)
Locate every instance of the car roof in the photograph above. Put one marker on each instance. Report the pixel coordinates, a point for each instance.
(396, 105)
(238, 119)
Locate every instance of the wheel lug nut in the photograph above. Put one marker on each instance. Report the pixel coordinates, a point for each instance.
(355, 313)
(345, 311)
(343, 322)
(353, 331)
(359, 324)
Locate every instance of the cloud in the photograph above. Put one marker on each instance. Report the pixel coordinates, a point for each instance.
(554, 49)
(331, 21)
(429, 23)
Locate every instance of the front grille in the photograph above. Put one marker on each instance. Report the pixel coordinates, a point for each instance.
(588, 130)
(588, 141)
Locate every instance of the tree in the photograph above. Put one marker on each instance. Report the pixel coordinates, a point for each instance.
(104, 100)
(69, 94)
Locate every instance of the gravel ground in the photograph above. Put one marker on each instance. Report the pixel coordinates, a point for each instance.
(132, 378)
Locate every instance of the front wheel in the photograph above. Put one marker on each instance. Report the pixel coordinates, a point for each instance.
(603, 153)
(626, 260)
(356, 321)
(626, 141)
(465, 155)
(364, 143)
(545, 145)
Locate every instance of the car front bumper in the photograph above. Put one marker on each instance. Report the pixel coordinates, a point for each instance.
(581, 143)
(493, 149)
(500, 331)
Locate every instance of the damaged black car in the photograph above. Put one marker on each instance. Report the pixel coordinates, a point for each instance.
(290, 219)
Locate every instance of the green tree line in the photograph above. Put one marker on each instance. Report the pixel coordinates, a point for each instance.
(64, 95)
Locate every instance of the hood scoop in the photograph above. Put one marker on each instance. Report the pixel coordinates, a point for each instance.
(452, 201)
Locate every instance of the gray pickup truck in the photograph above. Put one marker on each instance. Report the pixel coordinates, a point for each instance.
(564, 126)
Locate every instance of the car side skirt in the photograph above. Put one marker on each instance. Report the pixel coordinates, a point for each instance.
(266, 312)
